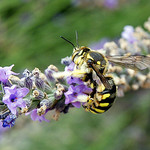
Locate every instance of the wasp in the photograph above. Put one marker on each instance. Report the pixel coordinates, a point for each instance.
(95, 65)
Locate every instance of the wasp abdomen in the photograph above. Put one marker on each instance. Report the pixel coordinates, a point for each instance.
(100, 102)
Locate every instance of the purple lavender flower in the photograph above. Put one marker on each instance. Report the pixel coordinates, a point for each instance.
(36, 117)
(73, 80)
(13, 97)
(111, 3)
(70, 67)
(77, 91)
(5, 72)
(77, 94)
(49, 75)
(128, 34)
(9, 121)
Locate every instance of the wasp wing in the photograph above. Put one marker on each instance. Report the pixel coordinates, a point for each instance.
(133, 62)
(102, 77)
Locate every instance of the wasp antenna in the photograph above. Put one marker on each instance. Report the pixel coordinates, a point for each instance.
(68, 41)
(77, 42)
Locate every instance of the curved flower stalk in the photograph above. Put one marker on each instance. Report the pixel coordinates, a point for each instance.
(38, 94)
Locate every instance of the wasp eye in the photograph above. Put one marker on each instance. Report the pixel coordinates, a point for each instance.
(89, 62)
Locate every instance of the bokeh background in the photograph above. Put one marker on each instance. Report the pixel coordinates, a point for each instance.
(29, 38)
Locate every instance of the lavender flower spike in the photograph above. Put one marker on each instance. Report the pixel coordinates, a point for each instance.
(5, 72)
(13, 97)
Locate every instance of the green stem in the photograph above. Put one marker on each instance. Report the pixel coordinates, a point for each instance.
(2, 88)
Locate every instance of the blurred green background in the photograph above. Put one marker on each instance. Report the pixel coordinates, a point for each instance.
(29, 37)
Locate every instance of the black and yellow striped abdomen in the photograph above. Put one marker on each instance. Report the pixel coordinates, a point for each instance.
(99, 102)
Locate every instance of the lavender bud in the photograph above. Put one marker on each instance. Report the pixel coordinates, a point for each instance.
(41, 110)
(49, 75)
(26, 73)
(48, 88)
(40, 83)
(36, 72)
(27, 101)
(120, 90)
(38, 94)
(110, 48)
(135, 86)
(60, 87)
(141, 77)
(28, 83)
(47, 102)
(147, 24)
(59, 92)
(66, 61)
(24, 110)
(15, 80)
(53, 68)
